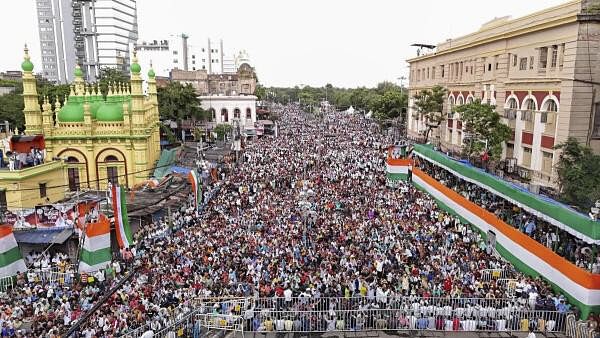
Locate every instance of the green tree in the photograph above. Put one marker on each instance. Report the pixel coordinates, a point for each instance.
(428, 105)
(222, 129)
(110, 75)
(180, 102)
(390, 105)
(486, 130)
(260, 92)
(578, 170)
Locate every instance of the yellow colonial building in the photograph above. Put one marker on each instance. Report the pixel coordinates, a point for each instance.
(89, 140)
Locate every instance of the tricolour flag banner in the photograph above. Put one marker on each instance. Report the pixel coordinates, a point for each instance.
(196, 187)
(122, 228)
(95, 252)
(11, 261)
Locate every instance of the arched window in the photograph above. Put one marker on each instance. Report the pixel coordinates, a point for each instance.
(224, 115)
(530, 104)
(460, 101)
(72, 159)
(548, 114)
(469, 99)
(450, 106)
(111, 158)
(248, 113)
(213, 113)
(527, 113)
(236, 113)
(510, 112)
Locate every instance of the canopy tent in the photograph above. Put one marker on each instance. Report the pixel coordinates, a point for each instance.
(350, 110)
(24, 143)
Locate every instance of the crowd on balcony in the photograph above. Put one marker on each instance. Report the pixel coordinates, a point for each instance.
(583, 254)
(19, 160)
(307, 215)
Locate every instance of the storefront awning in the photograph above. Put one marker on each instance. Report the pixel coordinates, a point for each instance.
(55, 236)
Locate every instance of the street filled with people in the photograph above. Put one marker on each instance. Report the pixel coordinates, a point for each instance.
(574, 249)
(305, 230)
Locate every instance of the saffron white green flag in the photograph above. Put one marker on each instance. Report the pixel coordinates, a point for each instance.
(11, 261)
(95, 252)
(122, 228)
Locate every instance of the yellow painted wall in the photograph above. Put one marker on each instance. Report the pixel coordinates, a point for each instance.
(22, 186)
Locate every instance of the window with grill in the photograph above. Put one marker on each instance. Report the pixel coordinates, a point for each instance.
(531, 59)
(543, 57)
(523, 64)
(511, 112)
(554, 58)
(514, 60)
(596, 129)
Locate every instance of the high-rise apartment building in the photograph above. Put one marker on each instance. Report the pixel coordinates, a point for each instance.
(184, 53)
(89, 33)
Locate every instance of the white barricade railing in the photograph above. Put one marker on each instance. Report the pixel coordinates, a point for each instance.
(303, 314)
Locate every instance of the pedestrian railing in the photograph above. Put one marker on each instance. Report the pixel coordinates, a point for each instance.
(488, 275)
(309, 314)
(7, 283)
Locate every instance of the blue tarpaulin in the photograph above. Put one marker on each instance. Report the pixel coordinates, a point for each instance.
(56, 236)
(180, 170)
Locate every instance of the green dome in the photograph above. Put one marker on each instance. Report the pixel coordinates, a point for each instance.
(78, 72)
(27, 66)
(110, 112)
(151, 73)
(71, 112)
(136, 68)
(95, 105)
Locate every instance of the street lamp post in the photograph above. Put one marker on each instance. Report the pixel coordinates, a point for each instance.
(402, 115)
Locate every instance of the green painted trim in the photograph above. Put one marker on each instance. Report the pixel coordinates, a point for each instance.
(42, 169)
(397, 177)
(576, 221)
(519, 265)
(95, 257)
(10, 256)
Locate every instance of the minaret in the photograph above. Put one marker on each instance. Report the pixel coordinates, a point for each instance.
(137, 97)
(138, 124)
(47, 116)
(31, 110)
(154, 140)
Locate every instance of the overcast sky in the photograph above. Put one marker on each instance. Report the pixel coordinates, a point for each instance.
(347, 43)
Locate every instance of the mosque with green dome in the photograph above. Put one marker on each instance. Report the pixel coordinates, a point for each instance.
(100, 138)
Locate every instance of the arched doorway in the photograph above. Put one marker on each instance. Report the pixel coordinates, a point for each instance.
(112, 171)
(73, 174)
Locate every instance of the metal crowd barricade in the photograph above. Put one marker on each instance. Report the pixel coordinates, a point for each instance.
(7, 283)
(488, 275)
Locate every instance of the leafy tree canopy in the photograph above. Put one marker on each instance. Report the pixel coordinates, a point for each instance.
(180, 102)
(483, 124)
(428, 105)
(578, 170)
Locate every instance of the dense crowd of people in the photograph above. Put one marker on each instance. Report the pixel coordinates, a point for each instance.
(306, 231)
(576, 250)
